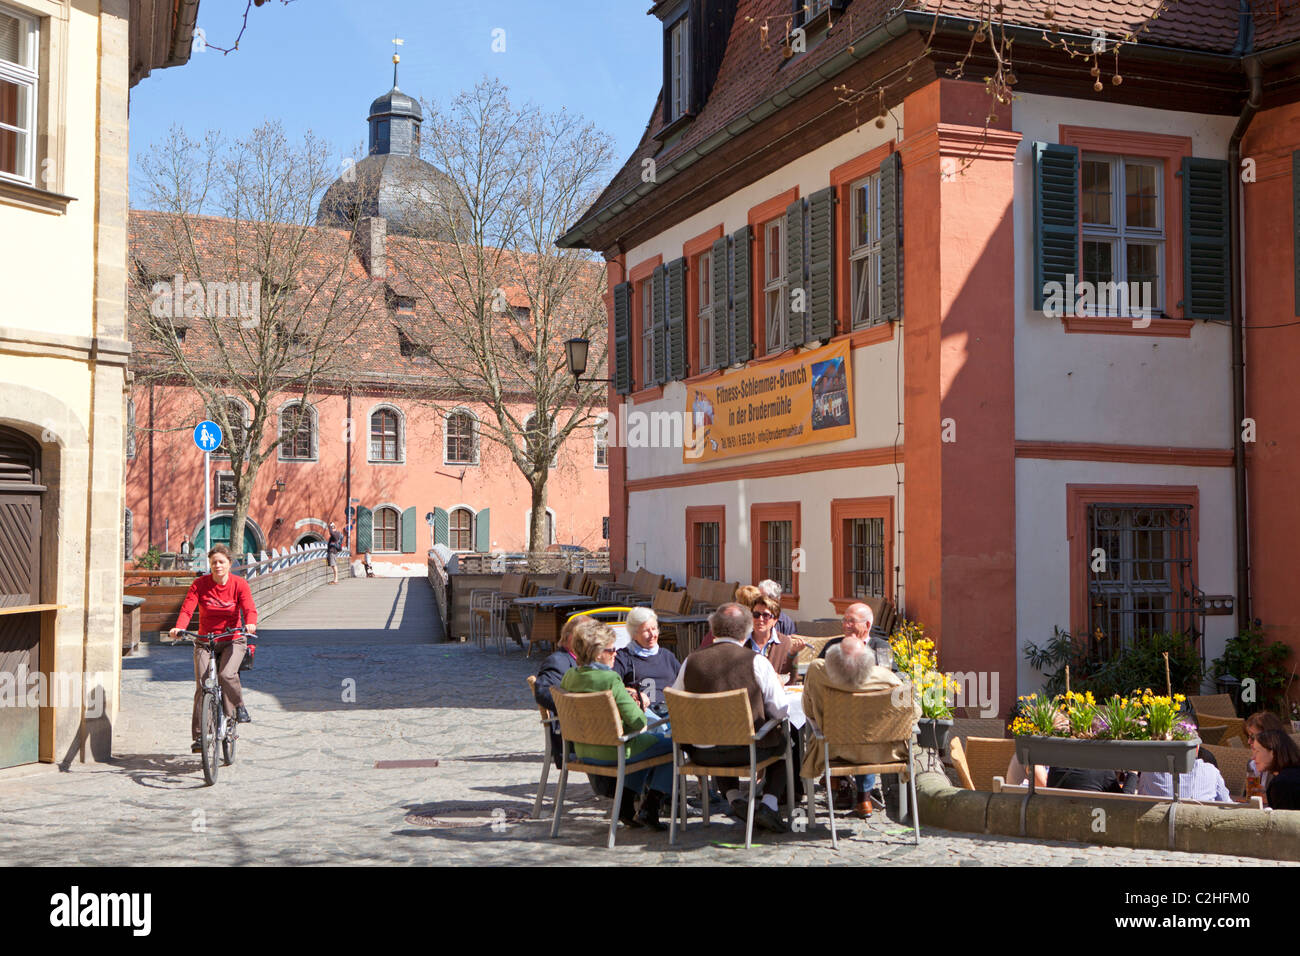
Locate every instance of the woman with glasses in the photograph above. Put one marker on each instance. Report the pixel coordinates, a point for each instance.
(1259, 721)
(594, 648)
(781, 650)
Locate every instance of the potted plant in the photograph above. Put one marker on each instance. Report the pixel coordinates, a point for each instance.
(915, 659)
(1141, 731)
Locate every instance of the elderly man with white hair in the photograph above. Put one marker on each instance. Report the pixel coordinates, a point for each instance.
(646, 668)
(850, 665)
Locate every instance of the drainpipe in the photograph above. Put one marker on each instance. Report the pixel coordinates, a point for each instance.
(151, 434)
(347, 505)
(1237, 271)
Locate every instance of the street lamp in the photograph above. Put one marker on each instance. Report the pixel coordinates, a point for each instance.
(575, 351)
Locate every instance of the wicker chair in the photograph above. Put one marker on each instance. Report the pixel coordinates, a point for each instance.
(988, 757)
(547, 722)
(866, 717)
(825, 627)
(958, 754)
(720, 720)
(1217, 705)
(1232, 766)
(594, 719)
(812, 646)
(670, 602)
(1234, 727)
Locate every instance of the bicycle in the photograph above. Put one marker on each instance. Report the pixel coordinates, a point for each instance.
(214, 726)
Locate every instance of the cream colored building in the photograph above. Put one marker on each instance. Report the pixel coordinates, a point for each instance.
(65, 74)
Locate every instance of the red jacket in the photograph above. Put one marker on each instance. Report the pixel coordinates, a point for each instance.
(219, 605)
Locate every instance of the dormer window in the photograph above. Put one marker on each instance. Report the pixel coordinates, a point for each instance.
(811, 13)
(677, 81)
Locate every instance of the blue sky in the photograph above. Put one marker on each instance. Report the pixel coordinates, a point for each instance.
(317, 64)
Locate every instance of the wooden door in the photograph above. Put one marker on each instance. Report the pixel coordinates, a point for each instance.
(20, 587)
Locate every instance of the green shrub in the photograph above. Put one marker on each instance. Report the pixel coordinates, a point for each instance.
(150, 560)
(1251, 656)
(1137, 667)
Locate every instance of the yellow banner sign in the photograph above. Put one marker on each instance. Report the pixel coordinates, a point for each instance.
(804, 399)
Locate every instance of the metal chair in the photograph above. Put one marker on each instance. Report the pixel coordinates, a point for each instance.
(548, 722)
(594, 719)
(866, 717)
(720, 719)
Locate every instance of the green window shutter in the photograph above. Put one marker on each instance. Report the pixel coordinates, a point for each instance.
(676, 296)
(365, 529)
(1207, 283)
(1056, 216)
(718, 288)
(797, 322)
(1295, 222)
(407, 532)
(441, 532)
(659, 368)
(741, 325)
(821, 264)
(623, 338)
(482, 531)
(891, 238)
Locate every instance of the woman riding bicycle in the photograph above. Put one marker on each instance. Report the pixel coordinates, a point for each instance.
(220, 597)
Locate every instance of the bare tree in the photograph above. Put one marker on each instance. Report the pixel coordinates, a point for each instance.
(500, 298)
(237, 296)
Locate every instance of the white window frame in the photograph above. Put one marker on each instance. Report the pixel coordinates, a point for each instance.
(1119, 234)
(313, 418)
(648, 332)
(374, 529)
(866, 254)
(679, 68)
(474, 438)
(528, 525)
(600, 442)
(774, 296)
(528, 427)
(24, 75)
(223, 452)
(704, 316)
(401, 435)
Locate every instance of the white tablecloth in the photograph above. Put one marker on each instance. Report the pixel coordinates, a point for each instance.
(795, 699)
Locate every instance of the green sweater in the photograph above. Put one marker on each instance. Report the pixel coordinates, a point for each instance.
(589, 680)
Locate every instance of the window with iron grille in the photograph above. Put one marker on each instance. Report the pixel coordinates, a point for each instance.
(864, 543)
(297, 428)
(708, 536)
(462, 447)
(777, 542)
(1139, 573)
(460, 526)
(384, 436)
(385, 530)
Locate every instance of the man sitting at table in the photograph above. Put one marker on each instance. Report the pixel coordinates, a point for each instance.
(850, 666)
(857, 623)
(727, 664)
(1204, 783)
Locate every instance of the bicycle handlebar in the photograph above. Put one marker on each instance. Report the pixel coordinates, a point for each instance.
(191, 637)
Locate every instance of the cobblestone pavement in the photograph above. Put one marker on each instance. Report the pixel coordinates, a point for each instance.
(305, 788)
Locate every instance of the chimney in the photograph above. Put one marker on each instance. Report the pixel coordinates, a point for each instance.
(371, 233)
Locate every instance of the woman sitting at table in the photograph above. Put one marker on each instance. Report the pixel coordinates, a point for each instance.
(646, 668)
(1277, 755)
(1259, 721)
(594, 647)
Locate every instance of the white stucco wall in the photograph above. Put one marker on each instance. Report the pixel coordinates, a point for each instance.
(1131, 390)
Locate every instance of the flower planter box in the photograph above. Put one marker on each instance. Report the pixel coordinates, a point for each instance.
(933, 733)
(1161, 756)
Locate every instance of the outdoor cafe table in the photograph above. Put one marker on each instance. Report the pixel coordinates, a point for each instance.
(546, 610)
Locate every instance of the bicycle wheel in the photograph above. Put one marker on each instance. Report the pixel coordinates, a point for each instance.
(209, 721)
(228, 743)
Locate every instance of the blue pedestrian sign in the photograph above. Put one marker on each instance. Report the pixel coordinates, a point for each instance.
(207, 435)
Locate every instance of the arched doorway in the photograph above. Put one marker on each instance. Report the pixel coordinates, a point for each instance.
(20, 586)
(221, 534)
(307, 540)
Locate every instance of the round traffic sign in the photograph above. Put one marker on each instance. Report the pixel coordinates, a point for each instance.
(207, 435)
